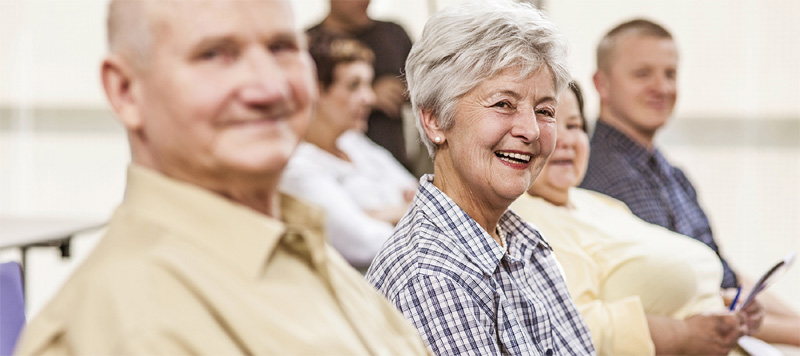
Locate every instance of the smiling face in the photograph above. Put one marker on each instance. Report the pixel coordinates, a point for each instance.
(639, 88)
(567, 166)
(503, 132)
(226, 94)
(346, 103)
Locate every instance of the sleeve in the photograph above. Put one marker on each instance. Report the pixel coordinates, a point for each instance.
(618, 327)
(355, 234)
(447, 317)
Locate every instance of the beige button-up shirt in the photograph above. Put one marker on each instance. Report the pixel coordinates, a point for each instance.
(184, 271)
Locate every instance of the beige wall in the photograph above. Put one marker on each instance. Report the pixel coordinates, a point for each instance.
(61, 154)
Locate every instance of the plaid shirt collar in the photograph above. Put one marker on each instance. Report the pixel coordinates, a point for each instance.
(483, 251)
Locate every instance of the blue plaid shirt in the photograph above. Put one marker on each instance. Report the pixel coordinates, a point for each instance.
(468, 296)
(652, 188)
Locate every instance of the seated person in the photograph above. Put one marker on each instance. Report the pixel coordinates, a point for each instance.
(204, 256)
(362, 188)
(637, 81)
(470, 274)
(641, 288)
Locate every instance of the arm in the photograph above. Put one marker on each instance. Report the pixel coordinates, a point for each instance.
(448, 317)
(701, 334)
(390, 94)
(351, 230)
(618, 327)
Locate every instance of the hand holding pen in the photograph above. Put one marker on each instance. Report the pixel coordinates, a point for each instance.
(732, 307)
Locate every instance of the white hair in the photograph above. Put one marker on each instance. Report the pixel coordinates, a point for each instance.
(468, 43)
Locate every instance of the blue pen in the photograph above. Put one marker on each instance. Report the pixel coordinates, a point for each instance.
(736, 298)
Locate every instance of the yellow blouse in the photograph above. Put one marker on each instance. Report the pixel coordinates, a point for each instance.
(620, 268)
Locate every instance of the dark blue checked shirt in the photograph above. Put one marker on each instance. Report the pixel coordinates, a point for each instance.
(652, 188)
(468, 296)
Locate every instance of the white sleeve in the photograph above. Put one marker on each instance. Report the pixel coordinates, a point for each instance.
(355, 234)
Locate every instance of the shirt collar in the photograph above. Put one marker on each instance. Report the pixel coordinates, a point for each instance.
(458, 227)
(605, 134)
(239, 236)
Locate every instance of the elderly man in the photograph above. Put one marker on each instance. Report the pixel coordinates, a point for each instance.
(204, 256)
(636, 78)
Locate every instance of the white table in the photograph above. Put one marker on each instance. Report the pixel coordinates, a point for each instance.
(27, 232)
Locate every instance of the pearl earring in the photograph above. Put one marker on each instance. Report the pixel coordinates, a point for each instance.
(437, 139)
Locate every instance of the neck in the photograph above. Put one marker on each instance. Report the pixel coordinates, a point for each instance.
(643, 138)
(338, 25)
(553, 196)
(325, 138)
(265, 201)
(478, 208)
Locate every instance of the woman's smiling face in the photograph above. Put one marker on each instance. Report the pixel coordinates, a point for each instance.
(503, 132)
(567, 166)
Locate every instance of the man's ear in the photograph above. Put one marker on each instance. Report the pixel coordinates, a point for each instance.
(601, 84)
(119, 83)
(432, 129)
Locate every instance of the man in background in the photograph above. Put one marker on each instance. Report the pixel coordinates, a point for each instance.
(204, 256)
(636, 78)
(391, 45)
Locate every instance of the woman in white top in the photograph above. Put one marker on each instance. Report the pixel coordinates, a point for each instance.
(363, 189)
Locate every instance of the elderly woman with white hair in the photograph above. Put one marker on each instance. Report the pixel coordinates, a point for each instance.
(471, 275)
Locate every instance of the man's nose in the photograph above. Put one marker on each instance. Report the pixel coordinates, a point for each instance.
(664, 84)
(264, 80)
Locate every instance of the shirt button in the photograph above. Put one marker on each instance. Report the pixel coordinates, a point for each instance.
(549, 352)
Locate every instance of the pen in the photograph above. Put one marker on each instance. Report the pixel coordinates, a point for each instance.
(736, 298)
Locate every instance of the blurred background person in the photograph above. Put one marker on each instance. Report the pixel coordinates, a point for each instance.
(470, 274)
(390, 44)
(636, 79)
(641, 288)
(362, 188)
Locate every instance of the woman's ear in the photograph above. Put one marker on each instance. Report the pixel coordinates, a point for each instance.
(431, 127)
(119, 83)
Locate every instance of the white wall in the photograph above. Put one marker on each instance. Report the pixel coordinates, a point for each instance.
(740, 61)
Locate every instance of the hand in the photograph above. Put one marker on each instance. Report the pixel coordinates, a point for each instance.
(712, 334)
(753, 314)
(390, 94)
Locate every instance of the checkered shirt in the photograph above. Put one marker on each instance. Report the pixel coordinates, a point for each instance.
(652, 188)
(468, 296)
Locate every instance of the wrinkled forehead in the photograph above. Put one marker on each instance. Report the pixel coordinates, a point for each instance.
(184, 22)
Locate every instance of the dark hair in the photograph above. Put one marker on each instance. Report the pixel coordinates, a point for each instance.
(330, 50)
(573, 86)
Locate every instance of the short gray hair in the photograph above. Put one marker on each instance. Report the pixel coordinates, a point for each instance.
(464, 45)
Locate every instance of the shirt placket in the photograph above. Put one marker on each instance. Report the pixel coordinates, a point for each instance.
(541, 325)
(299, 241)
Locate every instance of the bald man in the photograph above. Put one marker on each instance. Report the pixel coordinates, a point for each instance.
(204, 256)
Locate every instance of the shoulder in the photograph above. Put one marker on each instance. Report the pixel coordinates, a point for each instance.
(390, 27)
(110, 300)
(415, 252)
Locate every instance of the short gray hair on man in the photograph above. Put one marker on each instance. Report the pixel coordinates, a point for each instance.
(128, 27)
(464, 45)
